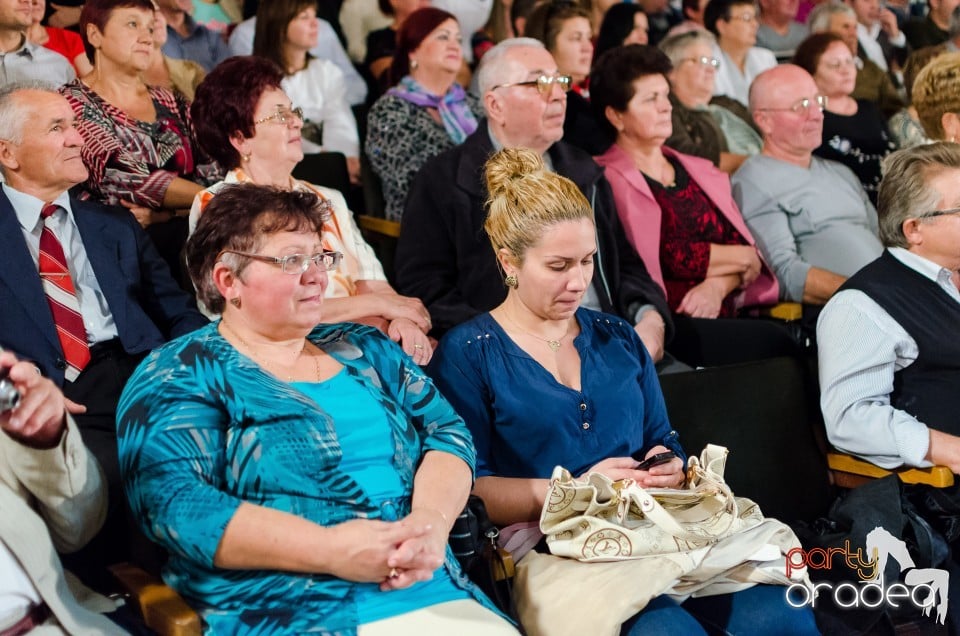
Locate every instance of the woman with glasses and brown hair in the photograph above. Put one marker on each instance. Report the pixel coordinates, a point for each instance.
(734, 23)
(426, 112)
(246, 120)
(303, 478)
(678, 214)
(715, 128)
(854, 131)
(286, 32)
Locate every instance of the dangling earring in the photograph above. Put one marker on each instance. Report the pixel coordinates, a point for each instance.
(235, 302)
(510, 280)
(414, 65)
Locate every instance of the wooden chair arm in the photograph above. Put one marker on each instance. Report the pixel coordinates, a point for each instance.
(508, 569)
(850, 472)
(163, 610)
(787, 312)
(385, 227)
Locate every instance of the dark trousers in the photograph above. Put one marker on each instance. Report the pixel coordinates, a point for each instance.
(98, 388)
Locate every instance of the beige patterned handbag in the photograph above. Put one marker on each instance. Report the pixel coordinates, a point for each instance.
(598, 519)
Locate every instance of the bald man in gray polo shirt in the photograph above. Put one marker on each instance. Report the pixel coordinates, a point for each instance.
(810, 217)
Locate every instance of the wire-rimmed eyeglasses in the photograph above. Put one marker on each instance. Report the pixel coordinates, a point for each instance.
(544, 83)
(932, 214)
(802, 106)
(703, 60)
(282, 116)
(294, 264)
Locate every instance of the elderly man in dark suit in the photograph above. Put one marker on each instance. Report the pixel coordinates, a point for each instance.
(83, 291)
(444, 256)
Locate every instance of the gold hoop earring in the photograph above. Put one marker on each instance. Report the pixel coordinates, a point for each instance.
(510, 280)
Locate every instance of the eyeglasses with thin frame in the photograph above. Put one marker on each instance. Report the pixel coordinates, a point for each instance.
(282, 116)
(294, 264)
(932, 214)
(836, 65)
(544, 83)
(746, 16)
(802, 106)
(703, 60)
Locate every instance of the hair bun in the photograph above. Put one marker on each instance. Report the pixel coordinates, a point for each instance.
(509, 166)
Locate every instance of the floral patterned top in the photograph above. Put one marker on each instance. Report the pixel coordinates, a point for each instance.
(201, 429)
(401, 137)
(858, 141)
(132, 160)
(691, 222)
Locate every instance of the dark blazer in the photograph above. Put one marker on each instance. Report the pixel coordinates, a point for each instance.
(147, 305)
(444, 256)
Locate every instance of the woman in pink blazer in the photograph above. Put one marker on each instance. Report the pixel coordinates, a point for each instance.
(678, 213)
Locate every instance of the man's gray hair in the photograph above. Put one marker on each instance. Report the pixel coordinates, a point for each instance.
(494, 66)
(13, 112)
(675, 47)
(905, 192)
(819, 20)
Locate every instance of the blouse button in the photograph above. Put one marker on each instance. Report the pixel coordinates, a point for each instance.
(585, 425)
(583, 406)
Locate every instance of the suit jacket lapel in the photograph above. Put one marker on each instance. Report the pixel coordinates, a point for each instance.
(19, 272)
(102, 244)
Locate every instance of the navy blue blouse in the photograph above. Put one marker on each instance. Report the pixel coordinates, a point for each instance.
(524, 422)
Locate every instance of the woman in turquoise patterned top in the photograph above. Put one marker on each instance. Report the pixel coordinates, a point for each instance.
(303, 479)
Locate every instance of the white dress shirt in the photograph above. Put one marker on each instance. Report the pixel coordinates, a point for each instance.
(319, 91)
(867, 36)
(97, 319)
(860, 349)
(327, 48)
(731, 82)
(17, 592)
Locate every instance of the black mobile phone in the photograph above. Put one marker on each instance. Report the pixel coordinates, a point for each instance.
(655, 460)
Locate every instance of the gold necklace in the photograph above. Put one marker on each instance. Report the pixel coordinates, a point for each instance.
(264, 362)
(553, 344)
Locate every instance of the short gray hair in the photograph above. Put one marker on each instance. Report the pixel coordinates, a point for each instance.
(493, 66)
(13, 112)
(675, 47)
(819, 20)
(905, 192)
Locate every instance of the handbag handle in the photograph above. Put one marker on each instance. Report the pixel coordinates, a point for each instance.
(654, 511)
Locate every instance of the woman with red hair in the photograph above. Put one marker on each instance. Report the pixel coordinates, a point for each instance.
(426, 112)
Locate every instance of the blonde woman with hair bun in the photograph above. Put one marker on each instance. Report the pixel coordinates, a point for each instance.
(544, 382)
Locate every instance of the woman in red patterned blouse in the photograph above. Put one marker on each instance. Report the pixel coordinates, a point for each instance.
(139, 143)
(678, 212)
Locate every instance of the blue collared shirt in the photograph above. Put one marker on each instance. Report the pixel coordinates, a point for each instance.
(34, 63)
(203, 46)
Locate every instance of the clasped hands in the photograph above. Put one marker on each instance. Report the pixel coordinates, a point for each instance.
(395, 554)
(666, 475)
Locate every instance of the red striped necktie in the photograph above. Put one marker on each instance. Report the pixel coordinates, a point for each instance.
(62, 298)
